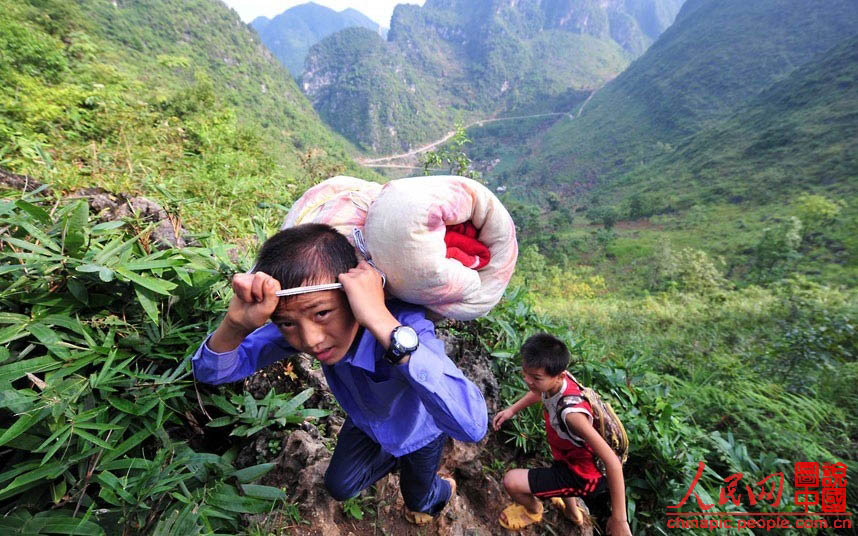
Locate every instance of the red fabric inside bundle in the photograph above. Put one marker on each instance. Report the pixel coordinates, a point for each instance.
(463, 245)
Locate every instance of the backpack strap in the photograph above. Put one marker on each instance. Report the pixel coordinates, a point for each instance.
(570, 401)
(566, 402)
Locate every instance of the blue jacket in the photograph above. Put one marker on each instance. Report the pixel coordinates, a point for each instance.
(402, 408)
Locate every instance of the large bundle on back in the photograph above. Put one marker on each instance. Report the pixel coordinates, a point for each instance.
(445, 242)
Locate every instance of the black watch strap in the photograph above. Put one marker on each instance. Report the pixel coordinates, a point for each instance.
(403, 341)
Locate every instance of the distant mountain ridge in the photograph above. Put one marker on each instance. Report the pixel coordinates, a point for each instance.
(799, 134)
(711, 61)
(465, 58)
(290, 34)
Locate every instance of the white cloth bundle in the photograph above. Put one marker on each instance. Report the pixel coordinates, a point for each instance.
(404, 227)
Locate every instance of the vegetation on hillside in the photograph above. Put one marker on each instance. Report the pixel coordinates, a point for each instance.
(455, 60)
(290, 34)
(178, 104)
(710, 296)
(718, 55)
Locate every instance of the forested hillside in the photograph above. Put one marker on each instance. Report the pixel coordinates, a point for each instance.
(714, 58)
(181, 102)
(473, 59)
(290, 34)
(799, 134)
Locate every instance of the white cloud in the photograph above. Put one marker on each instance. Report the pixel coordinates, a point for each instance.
(378, 10)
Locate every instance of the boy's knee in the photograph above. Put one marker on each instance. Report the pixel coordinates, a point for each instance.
(337, 488)
(513, 481)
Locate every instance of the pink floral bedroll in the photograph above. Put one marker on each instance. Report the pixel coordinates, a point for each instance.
(420, 232)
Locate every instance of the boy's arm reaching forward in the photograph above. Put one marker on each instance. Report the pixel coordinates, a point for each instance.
(455, 403)
(242, 343)
(579, 424)
(530, 398)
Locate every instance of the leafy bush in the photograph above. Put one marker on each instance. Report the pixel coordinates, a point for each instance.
(777, 251)
(546, 278)
(99, 415)
(686, 270)
(817, 211)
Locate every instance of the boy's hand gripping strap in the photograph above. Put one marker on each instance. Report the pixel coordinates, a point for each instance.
(360, 244)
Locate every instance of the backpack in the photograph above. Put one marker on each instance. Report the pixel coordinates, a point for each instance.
(605, 421)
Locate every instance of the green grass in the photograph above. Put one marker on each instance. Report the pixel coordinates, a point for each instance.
(122, 99)
(710, 62)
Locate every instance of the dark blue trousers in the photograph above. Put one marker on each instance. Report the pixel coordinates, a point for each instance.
(358, 462)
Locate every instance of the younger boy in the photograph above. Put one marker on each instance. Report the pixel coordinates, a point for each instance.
(402, 394)
(573, 441)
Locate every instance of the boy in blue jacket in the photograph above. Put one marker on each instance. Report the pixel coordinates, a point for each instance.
(402, 394)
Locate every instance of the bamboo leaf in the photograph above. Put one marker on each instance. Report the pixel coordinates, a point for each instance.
(102, 228)
(123, 405)
(11, 333)
(249, 474)
(32, 247)
(92, 439)
(156, 285)
(26, 480)
(149, 303)
(220, 422)
(292, 405)
(269, 493)
(13, 371)
(127, 445)
(24, 423)
(74, 228)
(39, 214)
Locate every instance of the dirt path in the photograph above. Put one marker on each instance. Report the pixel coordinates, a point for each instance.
(383, 160)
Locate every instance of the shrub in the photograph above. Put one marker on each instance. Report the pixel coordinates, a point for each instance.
(687, 270)
(99, 414)
(817, 211)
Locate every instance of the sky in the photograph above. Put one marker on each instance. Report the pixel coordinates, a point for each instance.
(378, 10)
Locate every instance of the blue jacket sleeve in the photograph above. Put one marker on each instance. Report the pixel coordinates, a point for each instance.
(456, 404)
(258, 350)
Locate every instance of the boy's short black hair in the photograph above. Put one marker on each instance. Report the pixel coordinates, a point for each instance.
(544, 351)
(307, 254)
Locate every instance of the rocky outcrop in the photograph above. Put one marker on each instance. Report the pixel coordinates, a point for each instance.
(167, 232)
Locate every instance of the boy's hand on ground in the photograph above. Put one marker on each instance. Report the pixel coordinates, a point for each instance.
(501, 417)
(618, 527)
(362, 285)
(254, 301)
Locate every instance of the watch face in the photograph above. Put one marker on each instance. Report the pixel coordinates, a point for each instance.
(406, 338)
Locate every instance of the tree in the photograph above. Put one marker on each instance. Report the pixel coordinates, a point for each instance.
(607, 216)
(777, 251)
(817, 211)
(452, 157)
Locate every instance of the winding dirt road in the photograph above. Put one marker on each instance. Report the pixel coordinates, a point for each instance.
(384, 161)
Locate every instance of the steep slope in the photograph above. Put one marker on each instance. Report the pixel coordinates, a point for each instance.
(481, 58)
(290, 34)
(715, 57)
(182, 103)
(800, 134)
(370, 92)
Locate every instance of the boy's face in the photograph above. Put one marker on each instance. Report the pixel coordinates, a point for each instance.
(318, 323)
(539, 381)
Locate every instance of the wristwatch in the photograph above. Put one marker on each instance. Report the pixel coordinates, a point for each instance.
(403, 341)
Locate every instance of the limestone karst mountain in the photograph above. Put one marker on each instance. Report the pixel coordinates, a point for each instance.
(450, 60)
